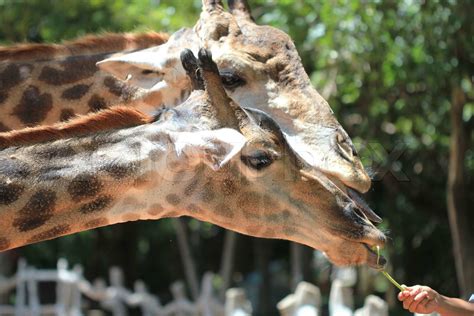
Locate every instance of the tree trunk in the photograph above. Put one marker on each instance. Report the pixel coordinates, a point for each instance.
(262, 256)
(227, 263)
(462, 230)
(300, 260)
(296, 257)
(186, 256)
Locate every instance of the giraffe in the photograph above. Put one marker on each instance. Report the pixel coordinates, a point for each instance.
(41, 84)
(260, 68)
(207, 158)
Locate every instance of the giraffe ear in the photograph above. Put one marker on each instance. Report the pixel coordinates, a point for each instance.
(214, 148)
(145, 69)
(152, 68)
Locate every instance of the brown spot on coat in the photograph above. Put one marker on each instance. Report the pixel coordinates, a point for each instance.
(228, 187)
(173, 214)
(121, 170)
(155, 210)
(37, 211)
(249, 201)
(269, 233)
(130, 217)
(76, 92)
(97, 103)
(9, 78)
(84, 186)
(119, 88)
(191, 187)
(173, 199)
(4, 244)
(33, 107)
(98, 222)
(193, 208)
(66, 114)
(97, 205)
(10, 192)
(4, 128)
(156, 155)
(207, 193)
(183, 94)
(3, 96)
(54, 151)
(54, 232)
(289, 231)
(73, 69)
(253, 230)
(224, 210)
(13, 167)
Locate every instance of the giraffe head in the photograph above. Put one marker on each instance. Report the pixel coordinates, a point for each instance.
(260, 69)
(263, 188)
(256, 184)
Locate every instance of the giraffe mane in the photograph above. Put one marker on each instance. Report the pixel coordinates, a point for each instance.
(116, 117)
(89, 44)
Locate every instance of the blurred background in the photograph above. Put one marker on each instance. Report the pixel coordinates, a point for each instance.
(399, 76)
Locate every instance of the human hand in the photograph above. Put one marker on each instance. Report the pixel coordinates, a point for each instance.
(419, 299)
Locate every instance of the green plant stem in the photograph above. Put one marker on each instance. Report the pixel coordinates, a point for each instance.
(392, 280)
(387, 275)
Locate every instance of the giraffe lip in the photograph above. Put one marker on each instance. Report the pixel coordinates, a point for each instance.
(374, 260)
(363, 206)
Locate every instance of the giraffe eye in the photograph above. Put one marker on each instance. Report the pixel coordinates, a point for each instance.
(231, 80)
(257, 160)
(147, 72)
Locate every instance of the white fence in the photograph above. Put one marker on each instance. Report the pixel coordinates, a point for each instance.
(75, 296)
(73, 293)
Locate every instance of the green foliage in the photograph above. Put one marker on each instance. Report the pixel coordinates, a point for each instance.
(389, 68)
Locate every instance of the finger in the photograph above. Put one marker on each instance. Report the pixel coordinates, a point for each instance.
(412, 293)
(407, 302)
(400, 296)
(419, 298)
(405, 293)
(415, 290)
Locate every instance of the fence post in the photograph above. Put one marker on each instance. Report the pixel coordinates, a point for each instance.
(62, 288)
(150, 305)
(373, 306)
(33, 299)
(237, 303)
(116, 281)
(341, 299)
(76, 295)
(305, 301)
(20, 303)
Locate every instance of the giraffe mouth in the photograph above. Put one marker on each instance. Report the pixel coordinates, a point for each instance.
(363, 207)
(374, 260)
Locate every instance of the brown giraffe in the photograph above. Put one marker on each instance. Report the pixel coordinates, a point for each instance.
(261, 69)
(41, 84)
(207, 158)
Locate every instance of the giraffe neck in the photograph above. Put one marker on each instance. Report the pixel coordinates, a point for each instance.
(92, 181)
(45, 84)
(117, 117)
